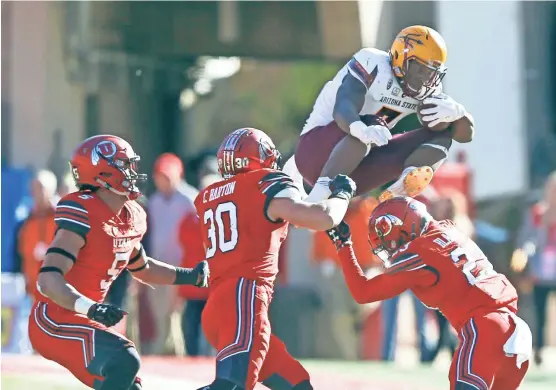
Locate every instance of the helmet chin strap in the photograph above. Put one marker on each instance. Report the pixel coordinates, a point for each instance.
(127, 194)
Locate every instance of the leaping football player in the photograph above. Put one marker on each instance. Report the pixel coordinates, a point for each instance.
(447, 271)
(245, 219)
(99, 232)
(352, 128)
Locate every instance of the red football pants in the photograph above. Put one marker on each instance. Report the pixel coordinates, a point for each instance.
(74, 341)
(235, 321)
(379, 167)
(480, 362)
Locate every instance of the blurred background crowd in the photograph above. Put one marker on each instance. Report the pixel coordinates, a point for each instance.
(174, 78)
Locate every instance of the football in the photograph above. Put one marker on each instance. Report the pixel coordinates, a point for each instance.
(438, 127)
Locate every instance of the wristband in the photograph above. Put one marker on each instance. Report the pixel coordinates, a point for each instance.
(186, 276)
(82, 305)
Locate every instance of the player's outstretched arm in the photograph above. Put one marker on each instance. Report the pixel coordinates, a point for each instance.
(363, 289)
(153, 271)
(316, 216)
(59, 259)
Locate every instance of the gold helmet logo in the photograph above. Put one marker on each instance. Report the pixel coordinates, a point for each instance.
(418, 56)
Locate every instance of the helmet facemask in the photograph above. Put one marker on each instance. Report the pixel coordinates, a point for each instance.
(391, 236)
(129, 168)
(419, 79)
(266, 150)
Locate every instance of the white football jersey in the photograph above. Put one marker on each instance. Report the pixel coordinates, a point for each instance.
(384, 94)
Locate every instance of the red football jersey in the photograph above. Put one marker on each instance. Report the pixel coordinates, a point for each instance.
(109, 240)
(445, 270)
(240, 240)
(466, 283)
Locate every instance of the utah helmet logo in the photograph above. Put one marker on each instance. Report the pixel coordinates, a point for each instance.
(385, 223)
(106, 149)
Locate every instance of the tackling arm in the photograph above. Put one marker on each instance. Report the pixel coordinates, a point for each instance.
(284, 202)
(315, 216)
(153, 271)
(381, 287)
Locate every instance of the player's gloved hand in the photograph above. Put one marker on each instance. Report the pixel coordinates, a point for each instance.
(374, 134)
(342, 186)
(340, 235)
(108, 315)
(203, 274)
(447, 110)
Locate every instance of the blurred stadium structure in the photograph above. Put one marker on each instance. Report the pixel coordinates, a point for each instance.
(177, 76)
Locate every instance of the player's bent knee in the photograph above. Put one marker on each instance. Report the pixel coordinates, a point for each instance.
(121, 370)
(432, 153)
(441, 142)
(128, 362)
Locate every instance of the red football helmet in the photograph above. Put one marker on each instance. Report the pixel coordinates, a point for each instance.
(245, 150)
(107, 161)
(394, 223)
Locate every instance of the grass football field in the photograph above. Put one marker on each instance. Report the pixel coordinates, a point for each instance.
(33, 372)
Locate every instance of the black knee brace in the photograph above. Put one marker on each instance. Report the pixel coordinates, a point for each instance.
(120, 371)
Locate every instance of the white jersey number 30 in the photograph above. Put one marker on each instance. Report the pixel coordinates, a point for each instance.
(224, 240)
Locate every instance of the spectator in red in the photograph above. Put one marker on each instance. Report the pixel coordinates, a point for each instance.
(166, 208)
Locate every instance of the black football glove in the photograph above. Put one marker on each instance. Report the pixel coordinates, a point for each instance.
(342, 187)
(340, 235)
(107, 315)
(203, 274)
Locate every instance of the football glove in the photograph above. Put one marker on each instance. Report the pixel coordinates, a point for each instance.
(375, 134)
(203, 274)
(340, 235)
(106, 314)
(447, 110)
(197, 276)
(343, 187)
